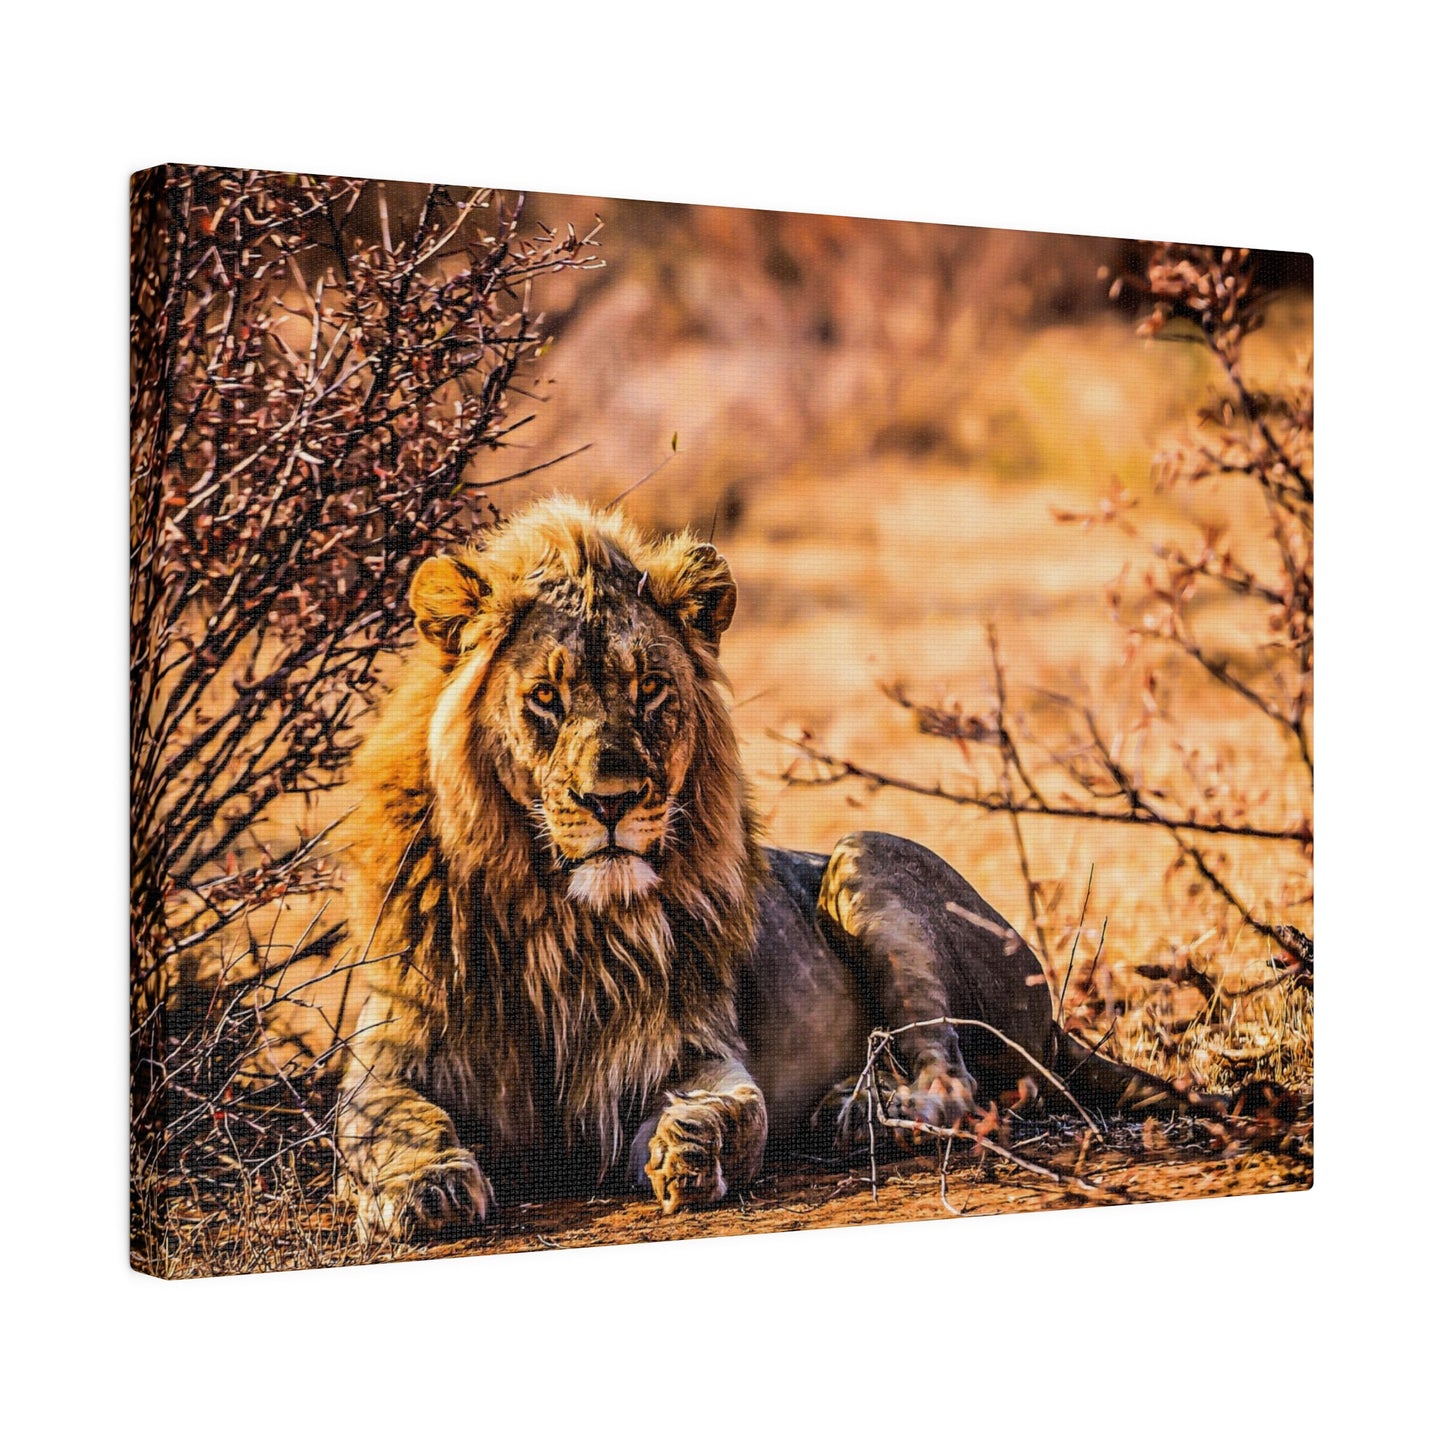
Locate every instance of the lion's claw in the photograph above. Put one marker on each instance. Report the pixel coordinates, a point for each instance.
(939, 1097)
(704, 1144)
(684, 1157)
(446, 1194)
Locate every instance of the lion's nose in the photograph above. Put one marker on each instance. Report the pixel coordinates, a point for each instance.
(609, 808)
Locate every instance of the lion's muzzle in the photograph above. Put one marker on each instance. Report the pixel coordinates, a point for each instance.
(609, 808)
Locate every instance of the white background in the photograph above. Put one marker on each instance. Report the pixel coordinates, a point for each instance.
(1248, 1319)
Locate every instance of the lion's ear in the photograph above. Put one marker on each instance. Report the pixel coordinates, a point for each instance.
(697, 587)
(446, 594)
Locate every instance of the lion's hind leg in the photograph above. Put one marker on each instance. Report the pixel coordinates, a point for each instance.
(926, 948)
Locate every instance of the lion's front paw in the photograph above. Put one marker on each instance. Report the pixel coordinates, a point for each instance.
(446, 1193)
(941, 1097)
(704, 1144)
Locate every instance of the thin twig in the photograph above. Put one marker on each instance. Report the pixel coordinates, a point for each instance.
(844, 769)
(1074, 946)
(646, 477)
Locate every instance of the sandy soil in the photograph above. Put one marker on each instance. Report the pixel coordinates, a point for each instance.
(908, 1189)
(1153, 1163)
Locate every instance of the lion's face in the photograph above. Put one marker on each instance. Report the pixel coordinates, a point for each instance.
(581, 672)
(595, 733)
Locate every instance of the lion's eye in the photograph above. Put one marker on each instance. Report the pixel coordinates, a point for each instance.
(546, 700)
(651, 690)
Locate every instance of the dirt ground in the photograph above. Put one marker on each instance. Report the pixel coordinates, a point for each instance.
(909, 1189)
(1131, 1164)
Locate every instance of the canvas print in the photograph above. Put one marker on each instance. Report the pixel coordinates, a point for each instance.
(657, 720)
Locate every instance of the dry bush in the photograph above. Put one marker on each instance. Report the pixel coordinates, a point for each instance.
(316, 363)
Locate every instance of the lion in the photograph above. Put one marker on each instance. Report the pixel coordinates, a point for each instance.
(578, 958)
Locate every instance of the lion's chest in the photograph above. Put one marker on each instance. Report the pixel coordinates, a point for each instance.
(557, 1056)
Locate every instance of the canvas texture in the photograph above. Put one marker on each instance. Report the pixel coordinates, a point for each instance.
(654, 721)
